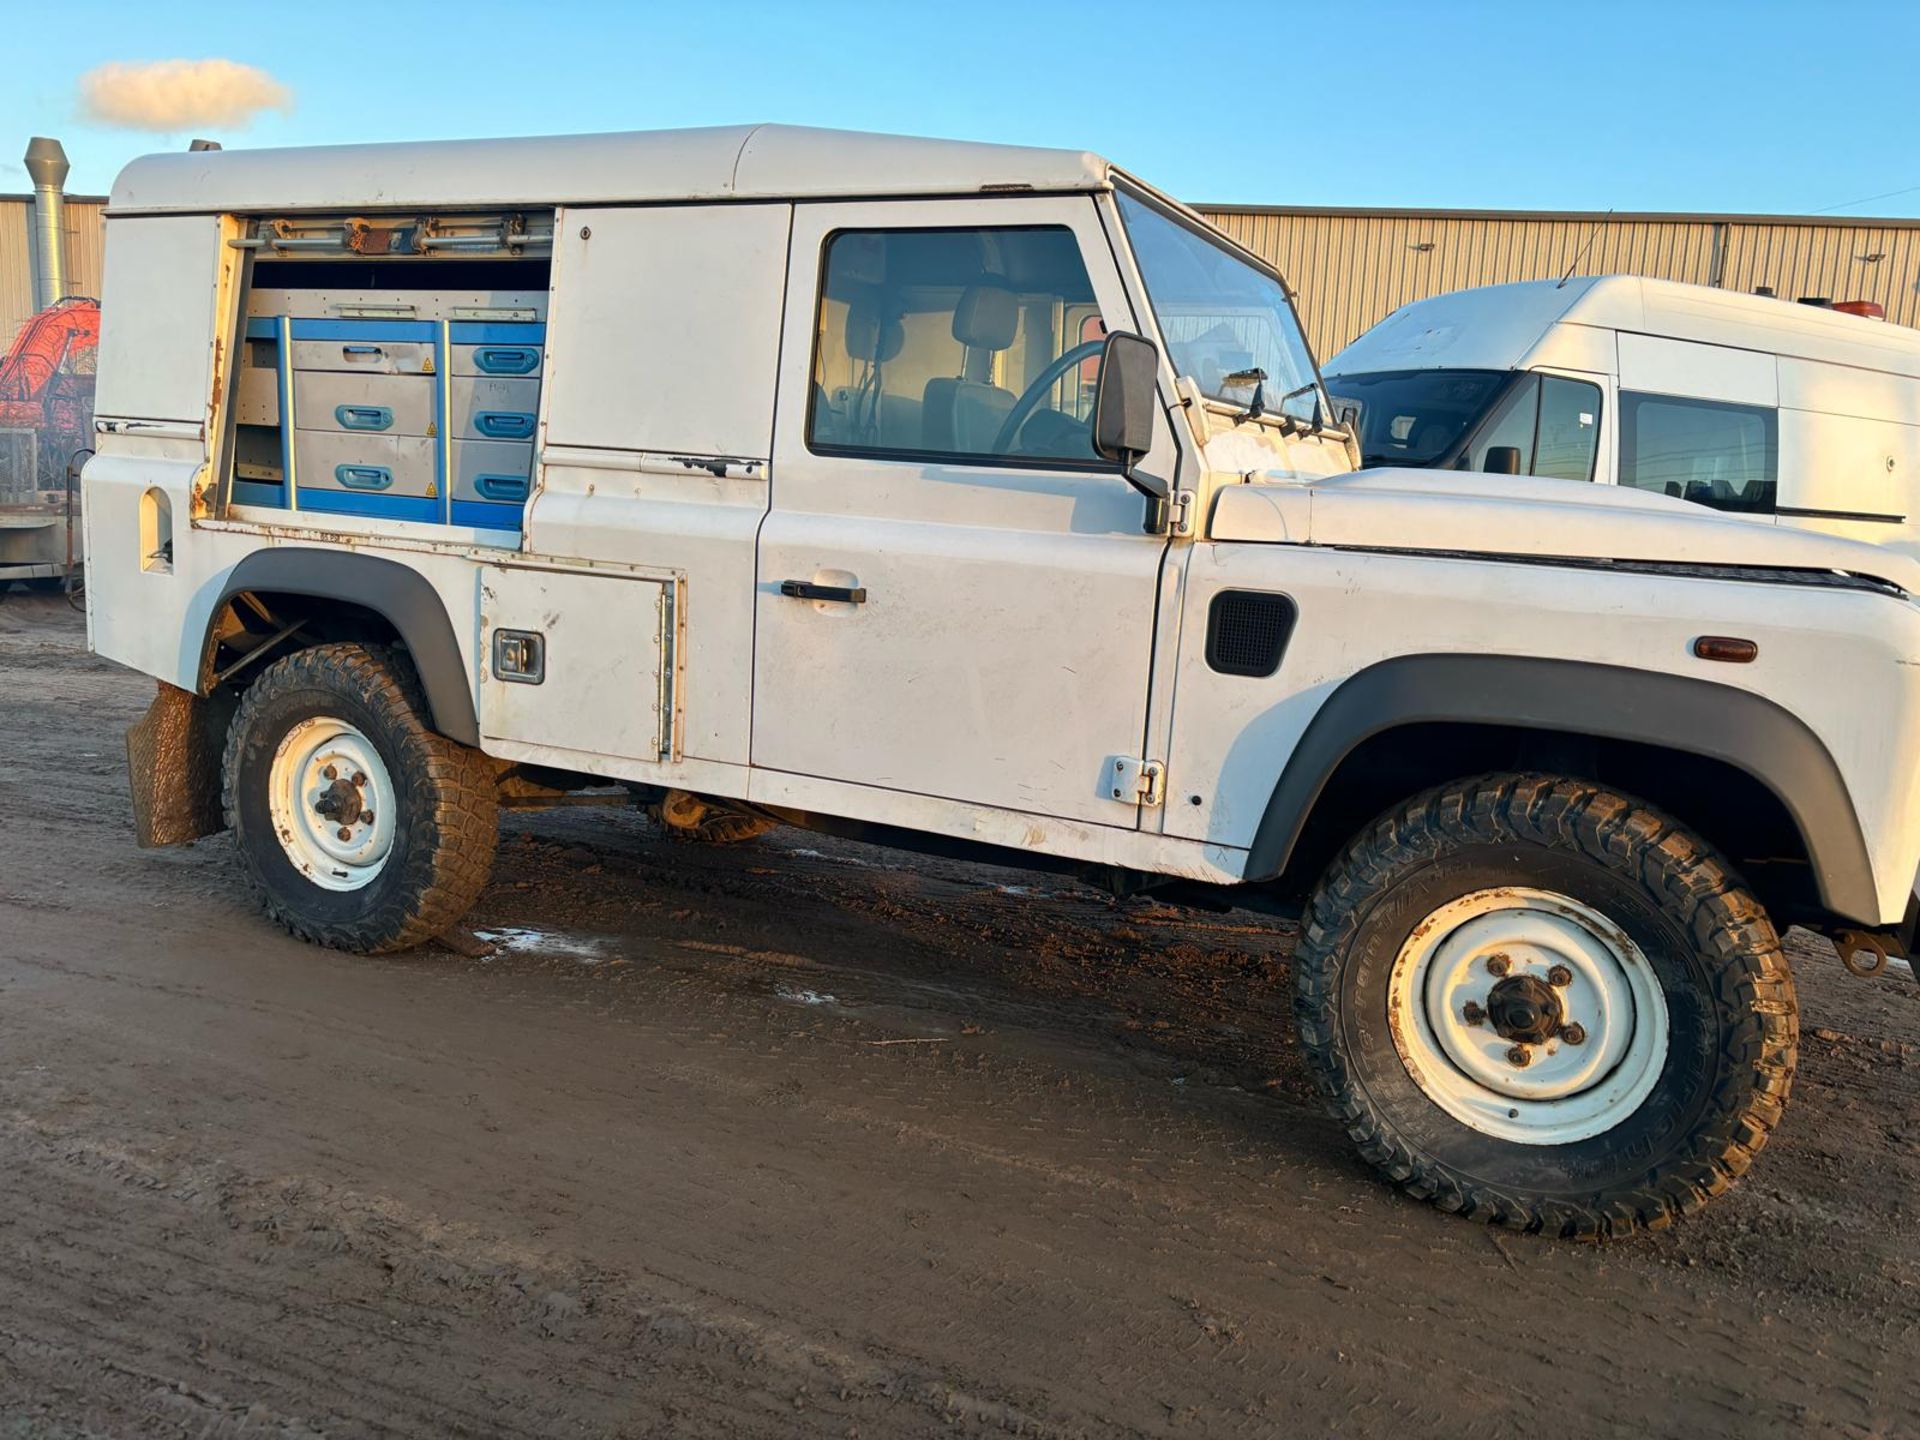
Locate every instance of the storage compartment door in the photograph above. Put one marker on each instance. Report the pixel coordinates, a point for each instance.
(578, 662)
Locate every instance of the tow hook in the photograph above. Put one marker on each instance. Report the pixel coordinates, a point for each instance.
(1864, 952)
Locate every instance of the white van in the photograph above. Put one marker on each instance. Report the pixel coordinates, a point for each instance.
(980, 500)
(1794, 413)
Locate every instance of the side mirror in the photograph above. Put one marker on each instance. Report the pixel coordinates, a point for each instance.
(1123, 406)
(1502, 460)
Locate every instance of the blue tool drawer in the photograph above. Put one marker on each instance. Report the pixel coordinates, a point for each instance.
(485, 407)
(425, 420)
(366, 404)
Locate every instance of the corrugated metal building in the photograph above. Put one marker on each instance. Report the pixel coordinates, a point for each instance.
(84, 244)
(1353, 267)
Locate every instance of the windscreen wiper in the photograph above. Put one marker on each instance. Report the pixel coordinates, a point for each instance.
(1257, 407)
(1255, 377)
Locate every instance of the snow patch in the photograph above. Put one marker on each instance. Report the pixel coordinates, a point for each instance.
(527, 940)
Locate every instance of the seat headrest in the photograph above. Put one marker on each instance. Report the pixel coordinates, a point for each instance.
(987, 317)
(872, 336)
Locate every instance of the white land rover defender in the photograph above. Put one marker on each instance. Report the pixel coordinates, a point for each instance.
(981, 499)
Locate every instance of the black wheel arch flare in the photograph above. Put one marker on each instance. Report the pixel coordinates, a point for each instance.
(398, 592)
(1675, 712)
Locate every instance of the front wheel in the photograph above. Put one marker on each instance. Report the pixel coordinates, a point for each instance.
(1536, 1002)
(360, 827)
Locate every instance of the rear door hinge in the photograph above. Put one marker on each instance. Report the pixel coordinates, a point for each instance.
(1138, 782)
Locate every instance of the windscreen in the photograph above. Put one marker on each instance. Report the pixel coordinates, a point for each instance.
(1415, 417)
(1228, 324)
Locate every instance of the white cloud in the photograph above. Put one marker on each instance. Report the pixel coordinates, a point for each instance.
(174, 95)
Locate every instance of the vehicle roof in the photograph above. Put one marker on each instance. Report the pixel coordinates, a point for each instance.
(730, 162)
(1502, 326)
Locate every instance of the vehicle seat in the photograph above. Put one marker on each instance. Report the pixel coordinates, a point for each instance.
(873, 338)
(964, 413)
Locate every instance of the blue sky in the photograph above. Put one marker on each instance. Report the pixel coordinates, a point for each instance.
(1756, 107)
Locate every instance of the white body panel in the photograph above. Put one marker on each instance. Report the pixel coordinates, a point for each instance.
(656, 453)
(633, 369)
(724, 162)
(159, 294)
(1021, 638)
(1846, 390)
(995, 595)
(1357, 609)
(609, 660)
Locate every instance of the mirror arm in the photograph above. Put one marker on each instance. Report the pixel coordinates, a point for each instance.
(1151, 486)
(1158, 493)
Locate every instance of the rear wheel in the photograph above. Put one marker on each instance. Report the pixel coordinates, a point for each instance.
(1537, 1002)
(361, 828)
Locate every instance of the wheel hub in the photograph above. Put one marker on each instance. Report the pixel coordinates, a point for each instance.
(332, 803)
(340, 801)
(1525, 1009)
(1528, 1015)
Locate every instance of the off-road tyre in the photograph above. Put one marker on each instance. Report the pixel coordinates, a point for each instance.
(447, 823)
(687, 817)
(1734, 1026)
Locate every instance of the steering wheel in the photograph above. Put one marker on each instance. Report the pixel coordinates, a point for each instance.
(1032, 395)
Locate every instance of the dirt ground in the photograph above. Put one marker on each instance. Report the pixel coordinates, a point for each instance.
(798, 1138)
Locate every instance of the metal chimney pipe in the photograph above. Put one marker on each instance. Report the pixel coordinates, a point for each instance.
(48, 168)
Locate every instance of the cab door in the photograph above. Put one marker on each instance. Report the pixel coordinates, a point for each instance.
(955, 596)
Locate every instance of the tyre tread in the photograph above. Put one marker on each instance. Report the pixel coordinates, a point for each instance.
(1695, 884)
(447, 788)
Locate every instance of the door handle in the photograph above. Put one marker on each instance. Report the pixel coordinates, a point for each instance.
(807, 590)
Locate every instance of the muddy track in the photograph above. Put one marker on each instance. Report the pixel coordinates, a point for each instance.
(801, 1138)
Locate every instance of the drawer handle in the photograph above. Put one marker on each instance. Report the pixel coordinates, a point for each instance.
(503, 424)
(506, 359)
(353, 351)
(501, 487)
(363, 477)
(363, 417)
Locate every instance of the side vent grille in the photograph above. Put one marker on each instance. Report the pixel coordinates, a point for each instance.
(1247, 631)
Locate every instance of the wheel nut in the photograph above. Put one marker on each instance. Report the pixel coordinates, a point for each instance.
(1519, 1055)
(1473, 1014)
(331, 773)
(1498, 964)
(366, 817)
(1559, 975)
(1574, 1034)
(359, 778)
(345, 833)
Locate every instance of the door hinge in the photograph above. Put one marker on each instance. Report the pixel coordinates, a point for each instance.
(1180, 516)
(1138, 782)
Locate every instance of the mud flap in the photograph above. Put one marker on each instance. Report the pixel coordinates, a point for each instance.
(173, 762)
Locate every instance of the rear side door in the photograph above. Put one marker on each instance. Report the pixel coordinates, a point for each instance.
(955, 597)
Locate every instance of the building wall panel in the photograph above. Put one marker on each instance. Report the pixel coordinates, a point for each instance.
(84, 236)
(1351, 269)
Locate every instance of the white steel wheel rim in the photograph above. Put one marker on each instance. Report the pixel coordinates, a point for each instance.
(1530, 943)
(332, 804)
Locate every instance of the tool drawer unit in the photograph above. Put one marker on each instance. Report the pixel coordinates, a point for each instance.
(422, 420)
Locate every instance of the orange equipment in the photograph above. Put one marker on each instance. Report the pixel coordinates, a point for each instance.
(46, 384)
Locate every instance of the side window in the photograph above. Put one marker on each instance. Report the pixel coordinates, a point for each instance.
(1547, 426)
(1722, 455)
(1569, 429)
(961, 343)
(1505, 443)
